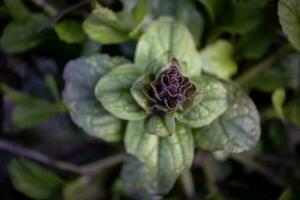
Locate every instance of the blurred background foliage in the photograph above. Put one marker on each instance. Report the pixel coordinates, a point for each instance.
(43, 155)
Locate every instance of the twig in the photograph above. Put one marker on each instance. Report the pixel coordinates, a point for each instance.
(257, 167)
(188, 184)
(44, 159)
(261, 66)
(46, 7)
(59, 15)
(210, 177)
(101, 164)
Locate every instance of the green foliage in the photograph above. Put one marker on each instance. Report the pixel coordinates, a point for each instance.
(30, 111)
(217, 59)
(278, 98)
(113, 91)
(69, 31)
(105, 26)
(141, 10)
(289, 14)
(237, 130)
(19, 36)
(81, 76)
(164, 159)
(33, 180)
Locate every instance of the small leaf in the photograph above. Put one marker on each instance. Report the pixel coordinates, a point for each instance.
(69, 31)
(237, 130)
(34, 181)
(30, 111)
(141, 9)
(14, 42)
(161, 126)
(213, 103)
(113, 91)
(104, 26)
(278, 98)
(166, 35)
(289, 14)
(81, 76)
(217, 59)
(138, 94)
(292, 111)
(164, 159)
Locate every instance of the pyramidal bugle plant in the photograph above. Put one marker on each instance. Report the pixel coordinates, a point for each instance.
(162, 106)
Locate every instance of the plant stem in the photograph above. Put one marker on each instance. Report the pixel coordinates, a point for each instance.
(46, 7)
(58, 164)
(188, 184)
(261, 66)
(210, 177)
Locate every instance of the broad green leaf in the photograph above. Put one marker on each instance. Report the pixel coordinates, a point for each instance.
(137, 92)
(237, 130)
(84, 188)
(113, 91)
(217, 59)
(183, 11)
(30, 111)
(166, 35)
(289, 15)
(14, 42)
(70, 31)
(161, 126)
(17, 9)
(33, 180)
(278, 98)
(164, 159)
(141, 9)
(104, 26)
(81, 76)
(213, 103)
(255, 43)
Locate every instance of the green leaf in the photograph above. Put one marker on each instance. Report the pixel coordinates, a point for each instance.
(217, 59)
(289, 18)
(30, 111)
(137, 92)
(70, 31)
(184, 11)
(141, 9)
(161, 126)
(90, 47)
(278, 98)
(14, 42)
(213, 103)
(256, 43)
(33, 180)
(237, 130)
(84, 188)
(213, 8)
(17, 9)
(292, 111)
(81, 76)
(164, 159)
(113, 91)
(104, 26)
(166, 35)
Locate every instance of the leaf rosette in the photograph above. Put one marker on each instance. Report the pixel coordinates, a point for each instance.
(166, 102)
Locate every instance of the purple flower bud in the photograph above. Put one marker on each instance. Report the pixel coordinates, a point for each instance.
(170, 89)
